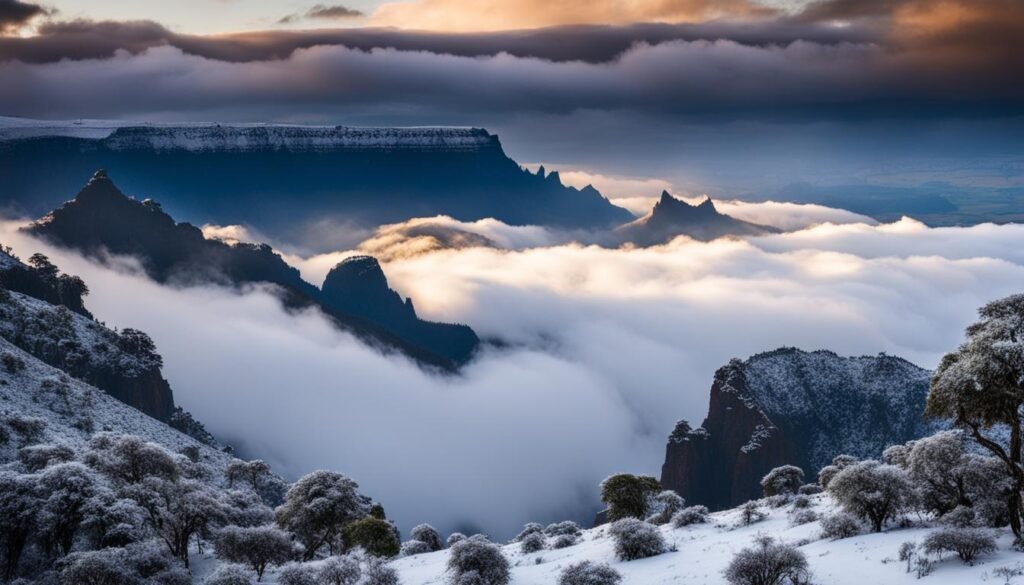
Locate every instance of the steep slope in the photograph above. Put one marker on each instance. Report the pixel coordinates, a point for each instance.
(357, 286)
(278, 178)
(101, 220)
(673, 217)
(792, 407)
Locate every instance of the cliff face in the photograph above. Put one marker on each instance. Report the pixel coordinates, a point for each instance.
(792, 407)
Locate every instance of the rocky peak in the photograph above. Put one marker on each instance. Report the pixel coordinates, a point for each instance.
(793, 407)
(677, 209)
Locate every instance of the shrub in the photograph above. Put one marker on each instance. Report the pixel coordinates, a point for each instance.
(839, 462)
(297, 574)
(627, 495)
(414, 547)
(690, 515)
(967, 543)
(377, 537)
(876, 492)
(378, 573)
(768, 563)
(12, 363)
(666, 504)
(533, 542)
(782, 480)
(960, 517)
(636, 539)
(839, 526)
(230, 574)
(475, 560)
(801, 502)
(908, 552)
(455, 537)
(530, 528)
(564, 541)
(589, 573)
(567, 527)
(427, 534)
(803, 516)
(750, 513)
(810, 489)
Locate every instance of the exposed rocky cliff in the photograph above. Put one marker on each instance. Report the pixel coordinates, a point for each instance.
(673, 217)
(792, 407)
(101, 221)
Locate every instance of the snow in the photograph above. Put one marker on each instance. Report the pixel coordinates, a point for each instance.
(704, 550)
(120, 135)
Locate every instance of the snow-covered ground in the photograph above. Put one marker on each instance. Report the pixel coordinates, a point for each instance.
(704, 550)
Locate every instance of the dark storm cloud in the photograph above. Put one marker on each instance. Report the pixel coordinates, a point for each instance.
(14, 13)
(593, 44)
(324, 12)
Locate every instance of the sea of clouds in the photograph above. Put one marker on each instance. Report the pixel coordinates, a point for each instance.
(604, 350)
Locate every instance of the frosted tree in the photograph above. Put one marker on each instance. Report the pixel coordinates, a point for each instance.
(19, 510)
(665, 504)
(981, 385)
(839, 462)
(253, 473)
(627, 495)
(129, 459)
(258, 547)
(479, 561)
(767, 563)
(318, 507)
(426, 533)
(230, 574)
(872, 490)
(785, 480)
(177, 510)
(66, 490)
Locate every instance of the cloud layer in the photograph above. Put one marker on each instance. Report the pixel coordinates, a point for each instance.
(607, 348)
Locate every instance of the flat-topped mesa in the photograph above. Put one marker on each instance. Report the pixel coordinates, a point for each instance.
(297, 138)
(792, 407)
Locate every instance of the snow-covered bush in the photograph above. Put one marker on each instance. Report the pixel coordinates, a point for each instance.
(528, 529)
(256, 547)
(475, 560)
(426, 533)
(840, 525)
(636, 539)
(339, 570)
(564, 541)
(129, 459)
(907, 553)
(665, 505)
(455, 537)
(377, 572)
(751, 513)
(802, 516)
(414, 547)
(36, 457)
(337, 502)
(230, 574)
(20, 507)
(967, 543)
(533, 542)
(839, 462)
(297, 574)
(810, 489)
(566, 527)
(960, 517)
(784, 480)
(874, 491)
(627, 495)
(767, 563)
(690, 515)
(589, 573)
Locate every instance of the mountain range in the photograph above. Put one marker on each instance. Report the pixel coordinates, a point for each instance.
(101, 220)
(279, 178)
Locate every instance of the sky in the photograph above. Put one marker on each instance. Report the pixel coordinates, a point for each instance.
(728, 97)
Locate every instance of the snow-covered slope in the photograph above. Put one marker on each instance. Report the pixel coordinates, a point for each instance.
(704, 550)
(245, 137)
(71, 410)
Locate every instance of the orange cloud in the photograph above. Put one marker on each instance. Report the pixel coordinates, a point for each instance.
(491, 15)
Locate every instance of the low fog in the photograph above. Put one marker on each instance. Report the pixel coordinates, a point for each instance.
(607, 349)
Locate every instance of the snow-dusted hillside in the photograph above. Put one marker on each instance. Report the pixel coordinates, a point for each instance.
(71, 410)
(704, 550)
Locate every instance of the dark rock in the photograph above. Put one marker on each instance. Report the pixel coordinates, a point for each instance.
(673, 217)
(792, 407)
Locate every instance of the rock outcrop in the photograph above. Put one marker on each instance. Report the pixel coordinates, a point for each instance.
(792, 407)
(673, 217)
(101, 221)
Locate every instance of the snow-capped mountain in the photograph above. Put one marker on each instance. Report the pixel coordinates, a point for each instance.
(289, 180)
(793, 407)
